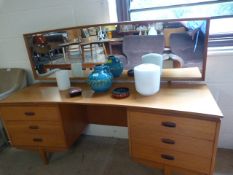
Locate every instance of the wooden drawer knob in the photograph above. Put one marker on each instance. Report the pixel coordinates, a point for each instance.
(33, 127)
(29, 113)
(37, 140)
(167, 157)
(169, 124)
(168, 141)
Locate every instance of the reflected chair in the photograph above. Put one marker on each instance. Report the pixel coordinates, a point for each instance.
(171, 30)
(54, 40)
(91, 47)
(135, 46)
(170, 59)
(46, 47)
(182, 45)
(41, 54)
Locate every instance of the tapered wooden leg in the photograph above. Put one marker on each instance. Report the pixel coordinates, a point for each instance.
(43, 156)
(167, 171)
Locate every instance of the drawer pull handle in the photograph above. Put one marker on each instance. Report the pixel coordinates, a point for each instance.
(167, 157)
(33, 127)
(169, 124)
(29, 113)
(37, 139)
(168, 141)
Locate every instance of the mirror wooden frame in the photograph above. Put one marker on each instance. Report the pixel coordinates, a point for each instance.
(179, 74)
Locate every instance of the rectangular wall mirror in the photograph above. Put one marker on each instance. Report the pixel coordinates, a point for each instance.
(181, 42)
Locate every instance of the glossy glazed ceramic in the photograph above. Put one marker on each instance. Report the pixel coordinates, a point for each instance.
(115, 65)
(100, 79)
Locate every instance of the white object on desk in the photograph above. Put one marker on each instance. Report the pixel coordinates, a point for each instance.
(152, 31)
(147, 79)
(76, 69)
(153, 58)
(63, 80)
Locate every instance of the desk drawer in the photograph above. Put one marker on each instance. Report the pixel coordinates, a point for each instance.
(45, 140)
(172, 158)
(50, 113)
(154, 123)
(34, 127)
(179, 143)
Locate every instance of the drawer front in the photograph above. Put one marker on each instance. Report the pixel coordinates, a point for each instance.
(172, 158)
(34, 127)
(153, 123)
(49, 113)
(179, 143)
(48, 140)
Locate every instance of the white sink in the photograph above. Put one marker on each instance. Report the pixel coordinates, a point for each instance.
(11, 80)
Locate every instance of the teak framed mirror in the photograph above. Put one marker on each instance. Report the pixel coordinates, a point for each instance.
(182, 42)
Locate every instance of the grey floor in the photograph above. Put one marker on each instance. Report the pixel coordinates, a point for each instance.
(90, 156)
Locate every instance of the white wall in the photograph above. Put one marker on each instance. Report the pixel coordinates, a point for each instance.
(25, 16)
(219, 78)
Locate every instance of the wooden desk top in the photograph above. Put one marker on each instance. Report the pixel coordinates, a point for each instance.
(188, 98)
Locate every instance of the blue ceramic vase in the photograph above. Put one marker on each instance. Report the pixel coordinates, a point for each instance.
(116, 66)
(100, 79)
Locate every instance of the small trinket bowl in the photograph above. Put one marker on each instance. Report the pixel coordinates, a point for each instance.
(120, 92)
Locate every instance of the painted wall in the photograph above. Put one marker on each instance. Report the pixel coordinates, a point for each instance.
(219, 80)
(24, 16)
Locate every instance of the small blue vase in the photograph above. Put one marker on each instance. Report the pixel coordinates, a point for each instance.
(100, 79)
(116, 66)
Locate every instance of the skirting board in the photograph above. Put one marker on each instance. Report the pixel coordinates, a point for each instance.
(107, 131)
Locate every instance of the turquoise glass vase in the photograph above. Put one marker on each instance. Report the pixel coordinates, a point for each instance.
(115, 65)
(100, 79)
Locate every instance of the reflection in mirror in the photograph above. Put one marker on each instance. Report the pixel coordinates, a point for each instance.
(181, 43)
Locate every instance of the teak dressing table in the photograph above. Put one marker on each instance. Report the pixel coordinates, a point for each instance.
(176, 129)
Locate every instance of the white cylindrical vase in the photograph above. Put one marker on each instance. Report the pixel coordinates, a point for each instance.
(147, 79)
(63, 80)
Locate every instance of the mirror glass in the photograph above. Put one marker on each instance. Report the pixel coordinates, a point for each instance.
(182, 43)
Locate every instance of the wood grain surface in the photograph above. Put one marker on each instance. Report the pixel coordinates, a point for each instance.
(176, 97)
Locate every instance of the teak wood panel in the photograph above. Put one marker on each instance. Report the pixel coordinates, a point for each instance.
(34, 127)
(107, 115)
(179, 143)
(177, 159)
(74, 121)
(215, 147)
(31, 112)
(202, 129)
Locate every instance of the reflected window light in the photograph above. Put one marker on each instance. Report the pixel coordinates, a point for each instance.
(112, 11)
